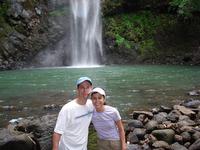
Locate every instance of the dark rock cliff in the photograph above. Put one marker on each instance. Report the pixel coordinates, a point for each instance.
(27, 27)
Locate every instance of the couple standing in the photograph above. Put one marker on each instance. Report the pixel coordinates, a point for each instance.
(71, 130)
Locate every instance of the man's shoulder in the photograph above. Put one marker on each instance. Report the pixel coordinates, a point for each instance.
(73, 105)
(69, 104)
(89, 101)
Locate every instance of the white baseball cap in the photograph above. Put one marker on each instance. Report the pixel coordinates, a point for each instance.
(99, 90)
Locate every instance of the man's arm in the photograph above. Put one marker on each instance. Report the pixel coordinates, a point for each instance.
(55, 140)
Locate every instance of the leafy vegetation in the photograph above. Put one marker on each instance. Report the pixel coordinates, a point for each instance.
(92, 140)
(111, 6)
(185, 8)
(137, 30)
(59, 11)
(3, 8)
(4, 26)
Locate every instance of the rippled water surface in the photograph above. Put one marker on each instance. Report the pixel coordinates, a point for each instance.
(127, 87)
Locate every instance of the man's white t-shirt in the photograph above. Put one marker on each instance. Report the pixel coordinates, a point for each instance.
(73, 122)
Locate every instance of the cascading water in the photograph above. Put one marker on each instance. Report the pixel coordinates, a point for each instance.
(82, 46)
(86, 33)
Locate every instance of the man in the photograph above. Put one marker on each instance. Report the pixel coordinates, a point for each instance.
(71, 130)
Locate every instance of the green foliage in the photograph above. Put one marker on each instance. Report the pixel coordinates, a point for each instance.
(196, 5)
(3, 8)
(110, 6)
(137, 30)
(59, 12)
(147, 48)
(185, 8)
(4, 26)
(92, 139)
(120, 40)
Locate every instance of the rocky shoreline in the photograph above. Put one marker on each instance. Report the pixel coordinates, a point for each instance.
(170, 128)
(176, 128)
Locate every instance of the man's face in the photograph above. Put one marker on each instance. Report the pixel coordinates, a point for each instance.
(84, 89)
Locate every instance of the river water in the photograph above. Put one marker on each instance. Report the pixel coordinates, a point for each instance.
(127, 87)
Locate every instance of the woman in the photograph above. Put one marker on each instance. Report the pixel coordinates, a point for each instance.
(107, 122)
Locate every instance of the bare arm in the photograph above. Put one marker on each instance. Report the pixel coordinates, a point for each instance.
(55, 140)
(121, 134)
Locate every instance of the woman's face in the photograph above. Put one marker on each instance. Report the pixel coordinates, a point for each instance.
(98, 101)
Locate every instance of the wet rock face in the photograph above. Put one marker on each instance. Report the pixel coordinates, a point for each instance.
(28, 29)
(170, 128)
(27, 143)
(33, 133)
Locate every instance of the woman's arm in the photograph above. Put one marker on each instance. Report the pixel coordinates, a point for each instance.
(121, 134)
(55, 140)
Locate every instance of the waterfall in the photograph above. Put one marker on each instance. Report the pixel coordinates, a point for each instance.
(86, 33)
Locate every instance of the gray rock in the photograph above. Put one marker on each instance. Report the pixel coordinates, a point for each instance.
(173, 115)
(194, 93)
(184, 110)
(38, 11)
(132, 138)
(161, 144)
(178, 138)
(5, 136)
(40, 128)
(166, 135)
(186, 129)
(133, 147)
(187, 144)
(151, 138)
(195, 145)
(151, 125)
(145, 146)
(196, 135)
(160, 117)
(26, 14)
(186, 123)
(177, 146)
(16, 38)
(165, 109)
(137, 113)
(191, 103)
(186, 136)
(140, 133)
(135, 124)
(15, 9)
